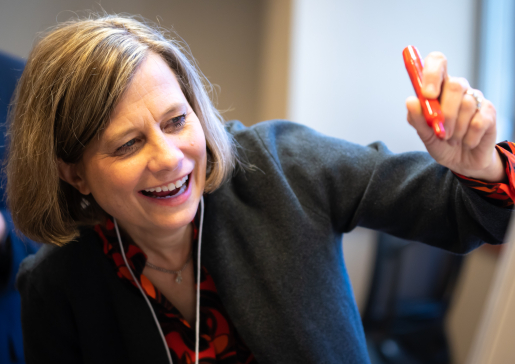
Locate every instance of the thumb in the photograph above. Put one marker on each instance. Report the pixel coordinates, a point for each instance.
(417, 120)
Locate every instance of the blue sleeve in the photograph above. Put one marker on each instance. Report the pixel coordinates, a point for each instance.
(13, 250)
(17, 249)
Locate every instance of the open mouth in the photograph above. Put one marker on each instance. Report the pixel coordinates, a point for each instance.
(170, 190)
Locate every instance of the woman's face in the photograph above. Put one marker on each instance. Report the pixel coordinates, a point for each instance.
(154, 142)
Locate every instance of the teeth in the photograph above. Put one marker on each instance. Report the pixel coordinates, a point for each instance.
(170, 187)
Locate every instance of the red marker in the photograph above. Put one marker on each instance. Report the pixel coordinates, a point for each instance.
(430, 107)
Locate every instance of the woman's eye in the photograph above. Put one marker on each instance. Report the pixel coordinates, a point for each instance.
(177, 122)
(127, 147)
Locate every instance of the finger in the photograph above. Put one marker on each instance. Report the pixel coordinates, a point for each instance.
(468, 109)
(452, 95)
(434, 73)
(418, 121)
(481, 128)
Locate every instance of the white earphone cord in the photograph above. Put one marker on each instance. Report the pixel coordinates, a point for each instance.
(197, 321)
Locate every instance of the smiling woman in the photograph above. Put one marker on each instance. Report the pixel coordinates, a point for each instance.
(122, 130)
(153, 140)
(160, 250)
(76, 76)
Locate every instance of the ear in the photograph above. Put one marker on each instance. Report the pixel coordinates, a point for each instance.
(73, 173)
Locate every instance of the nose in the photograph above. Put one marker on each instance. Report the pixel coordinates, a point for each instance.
(165, 155)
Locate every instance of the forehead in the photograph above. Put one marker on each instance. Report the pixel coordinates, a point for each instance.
(152, 91)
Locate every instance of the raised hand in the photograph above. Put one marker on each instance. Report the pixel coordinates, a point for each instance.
(470, 124)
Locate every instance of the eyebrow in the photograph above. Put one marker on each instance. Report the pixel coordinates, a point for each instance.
(173, 108)
(119, 135)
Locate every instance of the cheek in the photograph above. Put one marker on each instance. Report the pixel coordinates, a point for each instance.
(113, 182)
(195, 146)
(199, 148)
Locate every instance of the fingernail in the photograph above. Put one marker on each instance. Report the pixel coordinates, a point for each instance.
(430, 89)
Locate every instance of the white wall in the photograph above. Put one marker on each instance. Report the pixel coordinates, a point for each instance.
(348, 78)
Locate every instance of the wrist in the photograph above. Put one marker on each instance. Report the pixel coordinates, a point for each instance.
(494, 173)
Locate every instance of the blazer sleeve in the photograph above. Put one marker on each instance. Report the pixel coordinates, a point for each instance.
(49, 332)
(407, 195)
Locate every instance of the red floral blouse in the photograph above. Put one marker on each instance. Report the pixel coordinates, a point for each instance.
(219, 340)
(500, 194)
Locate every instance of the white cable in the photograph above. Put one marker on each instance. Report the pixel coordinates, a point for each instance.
(143, 293)
(197, 323)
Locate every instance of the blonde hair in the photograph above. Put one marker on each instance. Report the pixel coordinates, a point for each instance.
(73, 79)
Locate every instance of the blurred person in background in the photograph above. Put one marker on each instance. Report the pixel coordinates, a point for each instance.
(171, 238)
(12, 248)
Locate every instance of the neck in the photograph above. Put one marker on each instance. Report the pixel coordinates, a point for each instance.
(168, 251)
